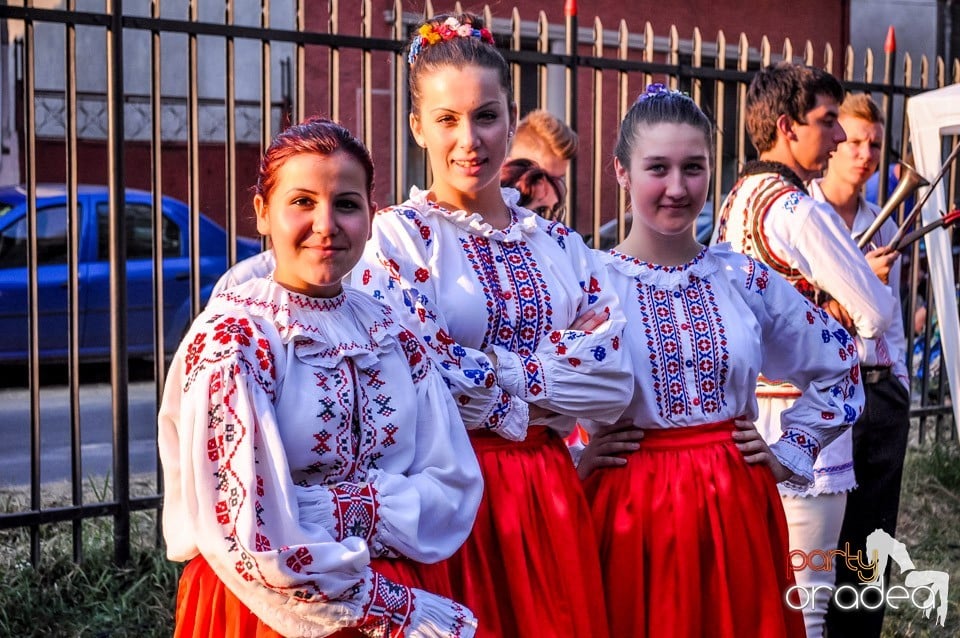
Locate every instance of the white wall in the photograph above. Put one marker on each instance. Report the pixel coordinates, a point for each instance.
(915, 25)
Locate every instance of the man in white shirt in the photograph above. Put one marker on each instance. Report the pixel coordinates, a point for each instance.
(792, 119)
(880, 435)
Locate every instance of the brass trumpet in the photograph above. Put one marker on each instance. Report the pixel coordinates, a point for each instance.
(909, 182)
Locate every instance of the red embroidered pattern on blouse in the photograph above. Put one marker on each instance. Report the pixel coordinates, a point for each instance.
(355, 509)
(389, 609)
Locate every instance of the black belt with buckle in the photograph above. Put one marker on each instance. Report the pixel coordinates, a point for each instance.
(874, 374)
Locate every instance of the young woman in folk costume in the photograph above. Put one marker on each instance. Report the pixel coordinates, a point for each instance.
(311, 453)
(516, 312)
(692, 533)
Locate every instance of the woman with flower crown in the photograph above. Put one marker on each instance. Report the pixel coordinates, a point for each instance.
(692, 533)
(516, 312)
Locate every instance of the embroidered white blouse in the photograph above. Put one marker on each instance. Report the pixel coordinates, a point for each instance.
(468, 289)
(299, 438)
(834, 471)
(890, 347)
(700, 334)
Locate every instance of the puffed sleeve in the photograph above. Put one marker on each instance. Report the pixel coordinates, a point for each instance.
(425, 513)
(395, 269)
(802, 344)
(230, 497)
(830, 259)
(574, 372)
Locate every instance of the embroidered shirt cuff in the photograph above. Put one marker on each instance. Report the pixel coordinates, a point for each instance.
(797, 450)
(355, 512)
(438, 617)
(508, 417)
(394, 611)
(388, 608)
(521, 376)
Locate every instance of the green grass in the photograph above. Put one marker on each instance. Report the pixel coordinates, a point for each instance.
(95, 599)
(98, 599)
(929, 525)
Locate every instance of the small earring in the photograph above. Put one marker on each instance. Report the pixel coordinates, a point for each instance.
(509, 133)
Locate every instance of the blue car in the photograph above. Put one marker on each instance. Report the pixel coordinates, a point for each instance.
(94, 271)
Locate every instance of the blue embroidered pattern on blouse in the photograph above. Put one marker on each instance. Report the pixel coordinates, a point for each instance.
(524, 295)
(679, 324)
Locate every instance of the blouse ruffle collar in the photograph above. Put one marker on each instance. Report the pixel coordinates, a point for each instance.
(704, 264)
(524, 221)
(324, 330)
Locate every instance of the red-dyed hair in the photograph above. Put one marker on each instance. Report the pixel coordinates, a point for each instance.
(314, 135)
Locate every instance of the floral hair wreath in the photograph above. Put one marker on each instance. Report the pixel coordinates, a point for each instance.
(658, 90)
(430, 34)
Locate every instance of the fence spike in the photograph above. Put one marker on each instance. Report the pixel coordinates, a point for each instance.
(648, 42)
(721, 60)
(697, 60)
(849, 62)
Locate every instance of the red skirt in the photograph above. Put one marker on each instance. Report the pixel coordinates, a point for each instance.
(207, 609)
(693, 540)
(529, 567)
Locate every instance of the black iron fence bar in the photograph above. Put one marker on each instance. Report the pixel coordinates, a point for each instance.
(139, 98)
(193, 159)
(366, 74)
(301, 56)
(886, 105)
(399, 108)
(230, 128)
(571, 64)
(51, 515)
(73, 265)
(264, 74)
(624, 102)
(119, 376)
(33, 335)
(156, 190)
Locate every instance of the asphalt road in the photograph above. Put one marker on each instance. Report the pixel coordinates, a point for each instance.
(96, 426)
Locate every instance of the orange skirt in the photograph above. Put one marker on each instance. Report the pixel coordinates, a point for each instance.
(693, 540)
(207, 609)
(529, 567)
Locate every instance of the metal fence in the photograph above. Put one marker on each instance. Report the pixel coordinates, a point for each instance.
(587, 72)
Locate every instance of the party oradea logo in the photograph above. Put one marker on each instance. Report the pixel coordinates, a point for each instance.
(925, 590)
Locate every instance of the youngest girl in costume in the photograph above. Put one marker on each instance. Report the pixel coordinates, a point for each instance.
(692, 534)
(311, 453)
